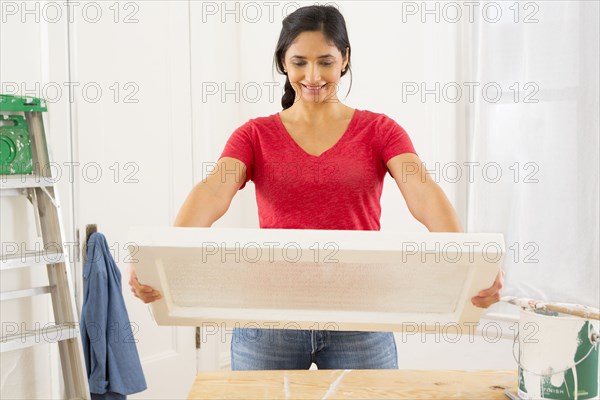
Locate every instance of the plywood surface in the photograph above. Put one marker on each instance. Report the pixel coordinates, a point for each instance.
(354, 384)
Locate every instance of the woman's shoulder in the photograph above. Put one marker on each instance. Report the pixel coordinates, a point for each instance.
(259, 124)
(259, 120)
(377, 120)
(373, 115)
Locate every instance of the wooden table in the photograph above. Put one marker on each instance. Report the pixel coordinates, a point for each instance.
(354, 384)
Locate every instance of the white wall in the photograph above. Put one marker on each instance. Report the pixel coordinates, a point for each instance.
(171, 55)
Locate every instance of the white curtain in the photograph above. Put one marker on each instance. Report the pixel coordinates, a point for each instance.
(542, 135)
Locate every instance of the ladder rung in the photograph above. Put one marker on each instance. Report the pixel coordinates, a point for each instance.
(19, 294)
(9, 182)
(48, 334)
(33, 259)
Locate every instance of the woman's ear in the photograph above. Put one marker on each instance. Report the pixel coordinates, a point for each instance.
(347, 58)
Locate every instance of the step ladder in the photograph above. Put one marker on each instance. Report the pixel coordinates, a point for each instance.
(25, 171)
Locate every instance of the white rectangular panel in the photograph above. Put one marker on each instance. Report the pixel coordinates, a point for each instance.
(315, 279)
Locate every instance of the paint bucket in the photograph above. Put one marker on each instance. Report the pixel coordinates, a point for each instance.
(558, 356)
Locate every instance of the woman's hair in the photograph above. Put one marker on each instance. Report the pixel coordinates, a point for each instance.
(326, 19)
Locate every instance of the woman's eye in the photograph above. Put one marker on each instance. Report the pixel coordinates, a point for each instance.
(325, 64)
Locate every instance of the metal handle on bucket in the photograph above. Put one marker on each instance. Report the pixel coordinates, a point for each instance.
(594, 337)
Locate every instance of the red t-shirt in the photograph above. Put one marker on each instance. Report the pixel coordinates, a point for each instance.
(340, 189)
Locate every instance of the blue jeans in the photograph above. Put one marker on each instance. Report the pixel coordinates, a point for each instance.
(276, 349)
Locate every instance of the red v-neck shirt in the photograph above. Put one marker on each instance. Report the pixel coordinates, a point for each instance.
(339, 189)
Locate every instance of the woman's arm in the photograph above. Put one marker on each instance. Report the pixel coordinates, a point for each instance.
(210, 199)
(425, 198)
(430, 206)
(207, 202)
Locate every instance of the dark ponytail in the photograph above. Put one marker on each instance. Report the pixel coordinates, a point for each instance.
(326, 19)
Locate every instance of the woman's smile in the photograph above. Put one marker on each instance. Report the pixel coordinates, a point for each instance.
(313, 88)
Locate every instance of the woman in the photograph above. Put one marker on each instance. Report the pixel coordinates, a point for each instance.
(318, 164)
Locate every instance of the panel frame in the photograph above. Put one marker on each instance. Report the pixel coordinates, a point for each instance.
(148, 258)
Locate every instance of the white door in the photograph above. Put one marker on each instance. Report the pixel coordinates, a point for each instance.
(132, 124)
(219, 97)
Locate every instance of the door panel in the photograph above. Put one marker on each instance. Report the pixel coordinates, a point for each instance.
(132, 122)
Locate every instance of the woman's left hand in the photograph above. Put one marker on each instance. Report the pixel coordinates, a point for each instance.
(491, 295)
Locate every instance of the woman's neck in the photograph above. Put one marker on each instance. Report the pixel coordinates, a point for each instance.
(316, 114)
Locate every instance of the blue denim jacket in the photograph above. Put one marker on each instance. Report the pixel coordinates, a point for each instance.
(111, 357)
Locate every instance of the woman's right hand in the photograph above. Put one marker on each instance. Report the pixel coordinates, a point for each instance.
(143, 292)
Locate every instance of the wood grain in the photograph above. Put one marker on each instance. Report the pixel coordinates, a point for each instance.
(354, 384)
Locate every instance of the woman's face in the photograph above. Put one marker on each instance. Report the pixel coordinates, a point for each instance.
(314, 68)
